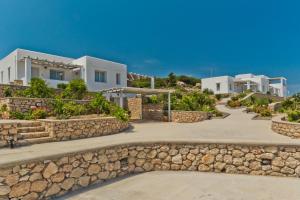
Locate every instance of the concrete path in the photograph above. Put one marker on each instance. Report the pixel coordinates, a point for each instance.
(237, 128)
(193, 186)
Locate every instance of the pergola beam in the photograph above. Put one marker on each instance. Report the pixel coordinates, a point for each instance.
(54, 64)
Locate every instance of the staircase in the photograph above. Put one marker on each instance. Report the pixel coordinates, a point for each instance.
(32, 133)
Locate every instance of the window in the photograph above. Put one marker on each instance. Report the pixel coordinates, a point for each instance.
(8, 72)
(35, 72)
(230, 87)
(118, 78)
(57, 75)
(1, 76)
(218, 86)
(100, 76)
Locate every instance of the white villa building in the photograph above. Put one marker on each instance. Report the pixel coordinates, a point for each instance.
(257, 83)
(21, 65)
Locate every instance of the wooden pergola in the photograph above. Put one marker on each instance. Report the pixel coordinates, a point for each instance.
(50, 63)
(143, 91)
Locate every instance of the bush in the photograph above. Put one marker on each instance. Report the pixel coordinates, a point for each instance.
(33, 114)
(235, 98)
(7, 91)
(38, 89)
(294, 116)
(262, 102)
(99, 105)
(241, 95)
(16, 115)
(265, 112)
(234, 103)
(76, 89)
(119, 113)
(3, 108)
(73, 109)
(218, 97)
(38, 113)
(62, 86)
(208, 91)
(194, 101)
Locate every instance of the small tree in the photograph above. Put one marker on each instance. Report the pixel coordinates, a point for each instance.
(76, 89)
(172, 80)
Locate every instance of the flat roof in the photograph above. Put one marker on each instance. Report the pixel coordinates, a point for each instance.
(138, 90)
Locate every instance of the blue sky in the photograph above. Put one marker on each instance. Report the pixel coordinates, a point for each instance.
(155, 37)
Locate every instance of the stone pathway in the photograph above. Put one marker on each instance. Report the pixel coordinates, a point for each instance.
(237, 128)
(192, 186)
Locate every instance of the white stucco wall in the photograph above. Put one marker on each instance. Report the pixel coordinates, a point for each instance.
(211, 84)
(87, 72)
(5, 63)
(91, 64)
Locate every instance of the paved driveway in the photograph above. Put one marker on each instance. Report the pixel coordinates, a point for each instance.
(236, 128)
(193, 186)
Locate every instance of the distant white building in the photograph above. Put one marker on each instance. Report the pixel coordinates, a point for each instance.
(257, 83)
(98, 74)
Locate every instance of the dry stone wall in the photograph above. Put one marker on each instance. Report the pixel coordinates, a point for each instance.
(286, 128)
(22, 104)
(188, 116)
(83, 128)
(153, 112)
(134, 106)
(55, 176)
(8, 131)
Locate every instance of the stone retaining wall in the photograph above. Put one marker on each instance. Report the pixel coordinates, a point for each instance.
(8, 130)
(22, 104)
(286, 128)
(188, 116)
(58, 175)
(134, 106)
(15, 88)
(83, 128)
(153, 112)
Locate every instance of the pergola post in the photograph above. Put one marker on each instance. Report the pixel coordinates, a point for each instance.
(169, 106)
(27, 71)
(121, 100)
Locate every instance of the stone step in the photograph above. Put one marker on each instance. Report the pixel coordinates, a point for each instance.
(31, 135)
(35, 141)
(31, 129)
(29, 124)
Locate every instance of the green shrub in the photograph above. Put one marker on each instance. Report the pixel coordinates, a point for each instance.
(38, 89)
(73, 109)
(7, 91)
(234, 103)
(294, 116)
(241, 95)
(262, 101)
(33, 114)
(3, 108)
(218, 96)
(62, 86)
(265, 112)
(235, 98)
(119, 113)
(194, 101)
(99, 104)
(17, 115)
(208, 91)
(38, 113)
(57, 106)
(76, 89)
